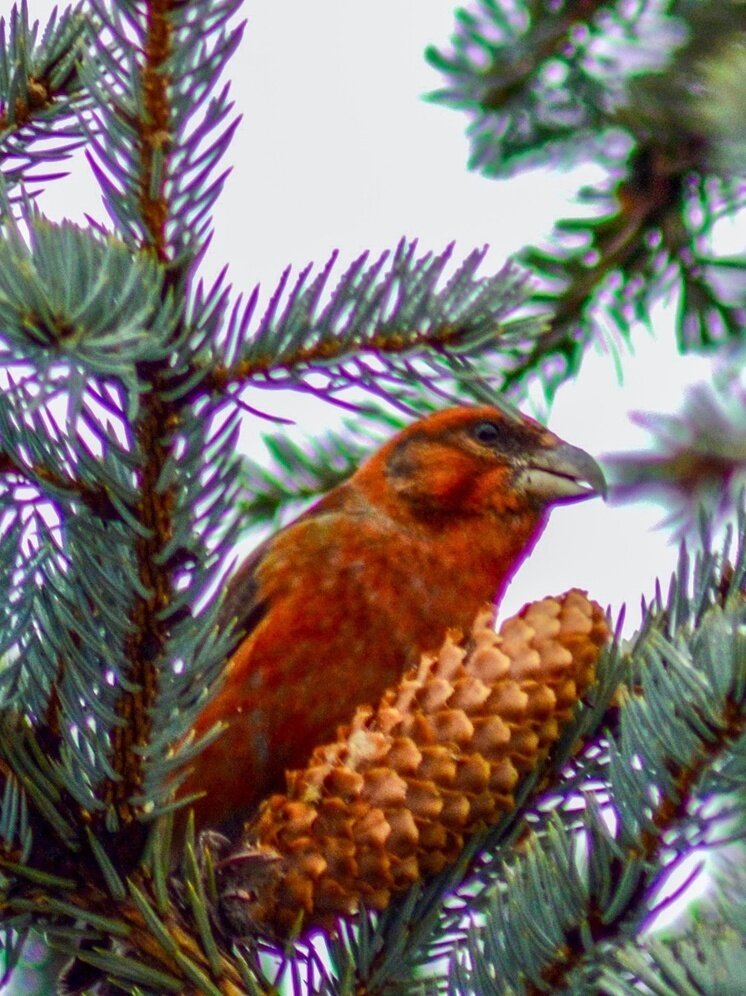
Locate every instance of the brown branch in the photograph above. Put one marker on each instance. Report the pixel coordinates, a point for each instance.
(154, 432)
(40, 95)
(96, 499)
(40, 98)
(538, 49)
(649, 199)
(324, 353)
(154, 125)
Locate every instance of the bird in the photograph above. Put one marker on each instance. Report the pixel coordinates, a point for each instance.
(332, 609)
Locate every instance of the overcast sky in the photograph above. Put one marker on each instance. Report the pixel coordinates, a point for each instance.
(338, 150)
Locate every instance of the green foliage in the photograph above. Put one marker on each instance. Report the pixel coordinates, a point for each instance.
(123, 383)
(646, 90)
(41, 94)
(401, 332)
(181, 142)
(711, 958)
(579, 78)
(70, 295)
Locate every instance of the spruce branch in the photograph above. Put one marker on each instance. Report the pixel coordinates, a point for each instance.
(671, 156)
(58, 485)
(146, 930)
(93, 326)
(505, 62)
(41, 93)
(151, 149)
(69, 297)
(564, 81)
(156, 952)
(157, 130)
(179, 52)
(709, 958)
(381, 329)
(600, 275)
(608, 270)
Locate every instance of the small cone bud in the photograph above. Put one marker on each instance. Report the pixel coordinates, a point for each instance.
(393, 800)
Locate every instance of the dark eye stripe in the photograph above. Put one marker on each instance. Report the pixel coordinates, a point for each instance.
(487, 433)
(508, 437)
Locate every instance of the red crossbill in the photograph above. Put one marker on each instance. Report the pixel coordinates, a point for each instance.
(332, 609)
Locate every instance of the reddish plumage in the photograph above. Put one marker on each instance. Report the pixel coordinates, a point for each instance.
(338, 604)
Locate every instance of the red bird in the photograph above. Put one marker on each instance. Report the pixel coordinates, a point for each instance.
(337, 605)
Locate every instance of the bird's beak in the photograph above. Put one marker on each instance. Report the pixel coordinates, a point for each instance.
(562, 474)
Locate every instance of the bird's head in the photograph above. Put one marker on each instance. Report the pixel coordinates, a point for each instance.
(481, 461)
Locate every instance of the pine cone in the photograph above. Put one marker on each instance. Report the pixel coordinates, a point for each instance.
(395, 798)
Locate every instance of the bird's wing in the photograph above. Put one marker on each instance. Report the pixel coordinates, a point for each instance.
(246, 600)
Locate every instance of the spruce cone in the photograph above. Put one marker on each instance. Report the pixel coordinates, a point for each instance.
(394, 799)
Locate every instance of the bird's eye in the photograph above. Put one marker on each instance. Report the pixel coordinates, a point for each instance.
(486, 432)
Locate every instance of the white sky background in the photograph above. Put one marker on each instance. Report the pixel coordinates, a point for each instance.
(338, 150)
